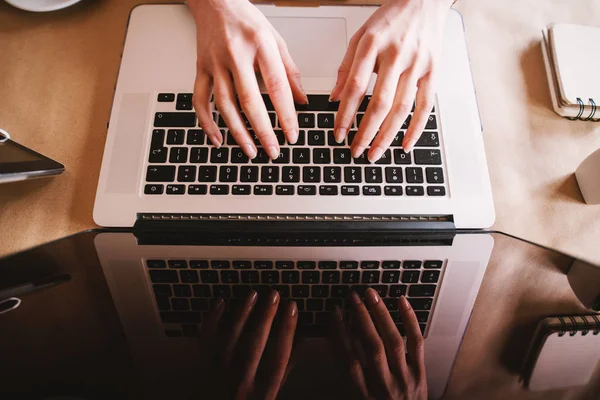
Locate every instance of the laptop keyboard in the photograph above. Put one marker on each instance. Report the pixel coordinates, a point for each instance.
(183, 288)
(182, 161)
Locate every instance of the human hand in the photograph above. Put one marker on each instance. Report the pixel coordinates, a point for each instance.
(379, 367)
(234, 41)
(401, 43)
(236, 360)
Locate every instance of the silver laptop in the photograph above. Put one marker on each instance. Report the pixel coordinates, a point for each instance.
(159, 165)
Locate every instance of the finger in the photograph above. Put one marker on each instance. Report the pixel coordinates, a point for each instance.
(355, 86)
(256, 345)
(291, 70)
(238, 326)
(394, 345)
(345, 355)
(379, 107)
(424, 104)
(399, 112)
(277, 84)
(226, 104)
(345, 66)
(371, 343)
(414, 339)
(201, 101)
(211, 324)
(283, 342)
(253, 105)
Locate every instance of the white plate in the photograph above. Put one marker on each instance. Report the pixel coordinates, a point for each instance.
(41, 5)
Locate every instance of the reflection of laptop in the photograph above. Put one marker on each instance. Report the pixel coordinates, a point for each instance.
(158, 163)
(172, 286)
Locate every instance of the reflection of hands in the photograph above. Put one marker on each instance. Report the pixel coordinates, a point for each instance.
(401, 43)
(377, 367)
(234, 39)
(237, 362)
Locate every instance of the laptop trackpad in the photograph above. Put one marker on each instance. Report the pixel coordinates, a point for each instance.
(317, 45)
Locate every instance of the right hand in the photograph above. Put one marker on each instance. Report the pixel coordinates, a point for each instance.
(234, 41)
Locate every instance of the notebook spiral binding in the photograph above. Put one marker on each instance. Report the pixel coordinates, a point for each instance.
(588, 323)
(582, 110)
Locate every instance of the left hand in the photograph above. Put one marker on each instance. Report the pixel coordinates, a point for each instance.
(401, 43)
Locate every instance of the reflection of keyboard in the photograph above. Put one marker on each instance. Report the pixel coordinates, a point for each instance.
(182, 161)
(183, 288)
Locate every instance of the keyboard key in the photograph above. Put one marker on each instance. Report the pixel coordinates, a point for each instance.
(279, 135)
(421, 304)
(318, 102)
(285, 190)
(351, 136)
(181, 317)
(290, 174)
(199, 264)
(433, 264)
(434, 175)
(332, 174)
(311, 174)
(415, 191)
(186, 173)
(348, 264)
(301, 156)
(164, 276)
(325, 120)
(249, 174)
(270, 277)
(369, 264)
(310, 276)
(220, 264)
(219, 156)
(184, 97)
(189, 276)
(411, 264)
(219, 189)
(322, 156)
(390, 277)
(370, 276)
(306, 265)
(195, 136)
(342, 156)
(198, 305)
(428, 139)
(238, 156)
(306, 120)
(400, 157)
(307, 190)
(397, 290)
(372, 190)
(241, 264)
(362, 159)
(175, 119)
(261, 157)
(431, 122)
(154, 189)
(393, 174)
(156, 264)
(284, 157)
(178, 155)
(202, 291)
(284, 265)
(414, 175)
(328, 190)
(436, 191)
(222, 291)
(352, 175)
(330, 277)
(158, 155)
(290, 277)
(301, 139)
(410, 276)
(284, 290)
(390, 265)
(199, 155)
(331, 303)
(314, 304)
(316, 138)
(261, 264)
(331, 139)
(184, 105)
(373, 175)
(263, 190)
(327, 265)
(391, 304)
(428, 157)
(166, 97)
(422, 316)
(269, 174)
(350, 276)
(397, 142)
(197, 189)
(209, 276)
(177, 264)
(430, 276)
(320, 291)
(241, 189)
(406, 123)
(360, 289)
(250, 277)
(175, 189)
(340, 291)
(300, 291)
(161, 289)
(386, 158)
(393, 190)
(350, 190)
(160, 173)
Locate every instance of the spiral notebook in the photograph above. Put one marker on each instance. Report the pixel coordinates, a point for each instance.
(565, 352)
(572, 65)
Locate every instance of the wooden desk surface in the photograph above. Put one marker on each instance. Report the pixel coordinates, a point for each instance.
(58, 70)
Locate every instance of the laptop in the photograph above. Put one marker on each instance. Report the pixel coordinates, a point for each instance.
(159, 166)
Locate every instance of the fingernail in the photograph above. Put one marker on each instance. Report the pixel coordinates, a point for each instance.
(215, 141)
(305, 97)
(405, 303)
(249, 150)
(293, 136)
(292, 309)
(355, 299)
(358, 150)
(253, 296)
(338, 313)
(274, 296)
(375, 153)
(340, 134)
(273, 152)
(373, 297)
(409, 146)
